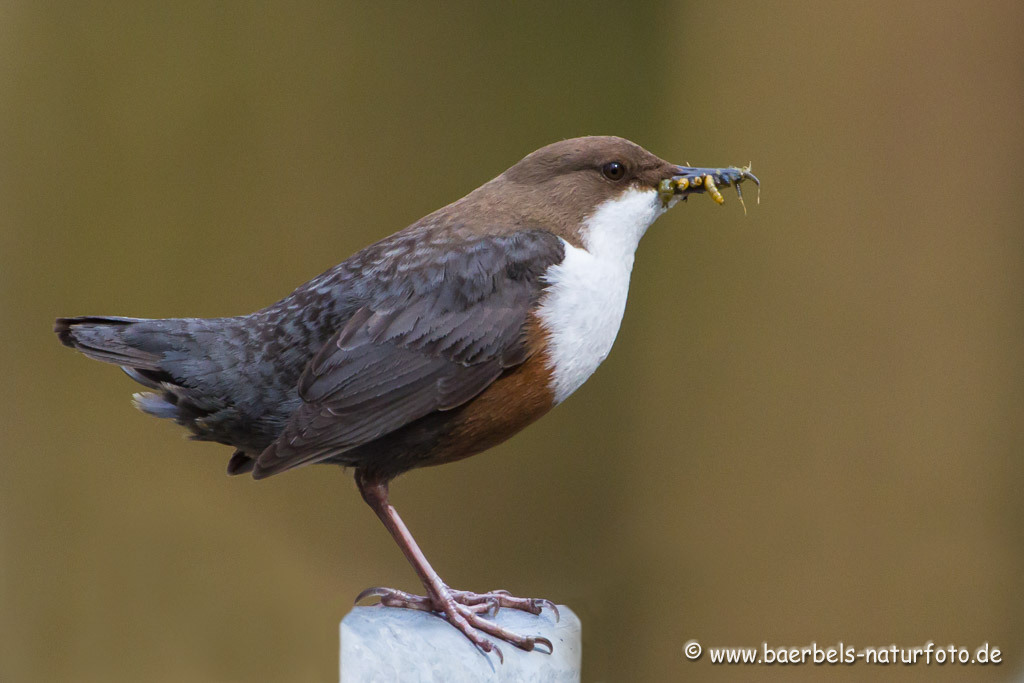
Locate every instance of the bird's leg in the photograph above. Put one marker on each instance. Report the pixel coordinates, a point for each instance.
(462, 609)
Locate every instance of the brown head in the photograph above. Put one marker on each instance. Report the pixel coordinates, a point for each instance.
(559, 186)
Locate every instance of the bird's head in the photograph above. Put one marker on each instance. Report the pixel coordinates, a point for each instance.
(574, 186)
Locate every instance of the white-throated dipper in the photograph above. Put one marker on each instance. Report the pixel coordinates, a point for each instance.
(432, 345)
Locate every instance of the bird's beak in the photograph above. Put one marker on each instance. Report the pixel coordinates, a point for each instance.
(689, 179)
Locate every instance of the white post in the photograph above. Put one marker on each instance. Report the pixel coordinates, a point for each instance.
(390, 645)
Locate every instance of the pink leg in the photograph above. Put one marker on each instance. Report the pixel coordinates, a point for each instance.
(462, 609)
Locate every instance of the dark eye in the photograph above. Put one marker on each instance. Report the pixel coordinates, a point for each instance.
(613, 170)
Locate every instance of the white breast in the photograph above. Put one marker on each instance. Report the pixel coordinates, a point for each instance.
(586, 295)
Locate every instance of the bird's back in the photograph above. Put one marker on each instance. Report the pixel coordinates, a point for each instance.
(234, 380)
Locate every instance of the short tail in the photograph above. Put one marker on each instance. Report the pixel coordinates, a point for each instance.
(159, 354)
(182, 359)
(108, 340)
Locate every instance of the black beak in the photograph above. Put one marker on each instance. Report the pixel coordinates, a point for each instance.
(689, 179)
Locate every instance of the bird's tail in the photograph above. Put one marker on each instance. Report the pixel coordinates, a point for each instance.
(170, 355)
(133, 343)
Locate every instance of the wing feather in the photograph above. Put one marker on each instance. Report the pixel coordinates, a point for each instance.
(434, 329)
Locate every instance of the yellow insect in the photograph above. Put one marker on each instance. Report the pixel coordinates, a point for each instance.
(709, 180)
(709, 185)
(745, 173)
(666, 190)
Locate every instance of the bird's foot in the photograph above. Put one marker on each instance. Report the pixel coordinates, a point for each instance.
(463, 610)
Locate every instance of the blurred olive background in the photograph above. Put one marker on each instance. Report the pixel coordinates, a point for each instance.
(811, 426)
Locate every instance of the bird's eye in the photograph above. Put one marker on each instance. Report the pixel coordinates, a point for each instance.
(613, 170)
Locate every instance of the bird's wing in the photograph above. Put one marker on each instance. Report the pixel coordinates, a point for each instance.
(436, 327)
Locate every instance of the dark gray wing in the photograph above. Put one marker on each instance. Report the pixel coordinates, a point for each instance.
(436, 327)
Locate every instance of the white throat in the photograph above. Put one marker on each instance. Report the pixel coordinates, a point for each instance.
(586, 295)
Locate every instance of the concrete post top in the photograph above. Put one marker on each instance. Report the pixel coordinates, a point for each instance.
(390, 645)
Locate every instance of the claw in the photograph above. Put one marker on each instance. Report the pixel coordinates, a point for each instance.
(541, 640)
(376, 591)
(544, 602)
(493, 605)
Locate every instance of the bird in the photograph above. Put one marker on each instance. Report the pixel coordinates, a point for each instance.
(431, 345)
